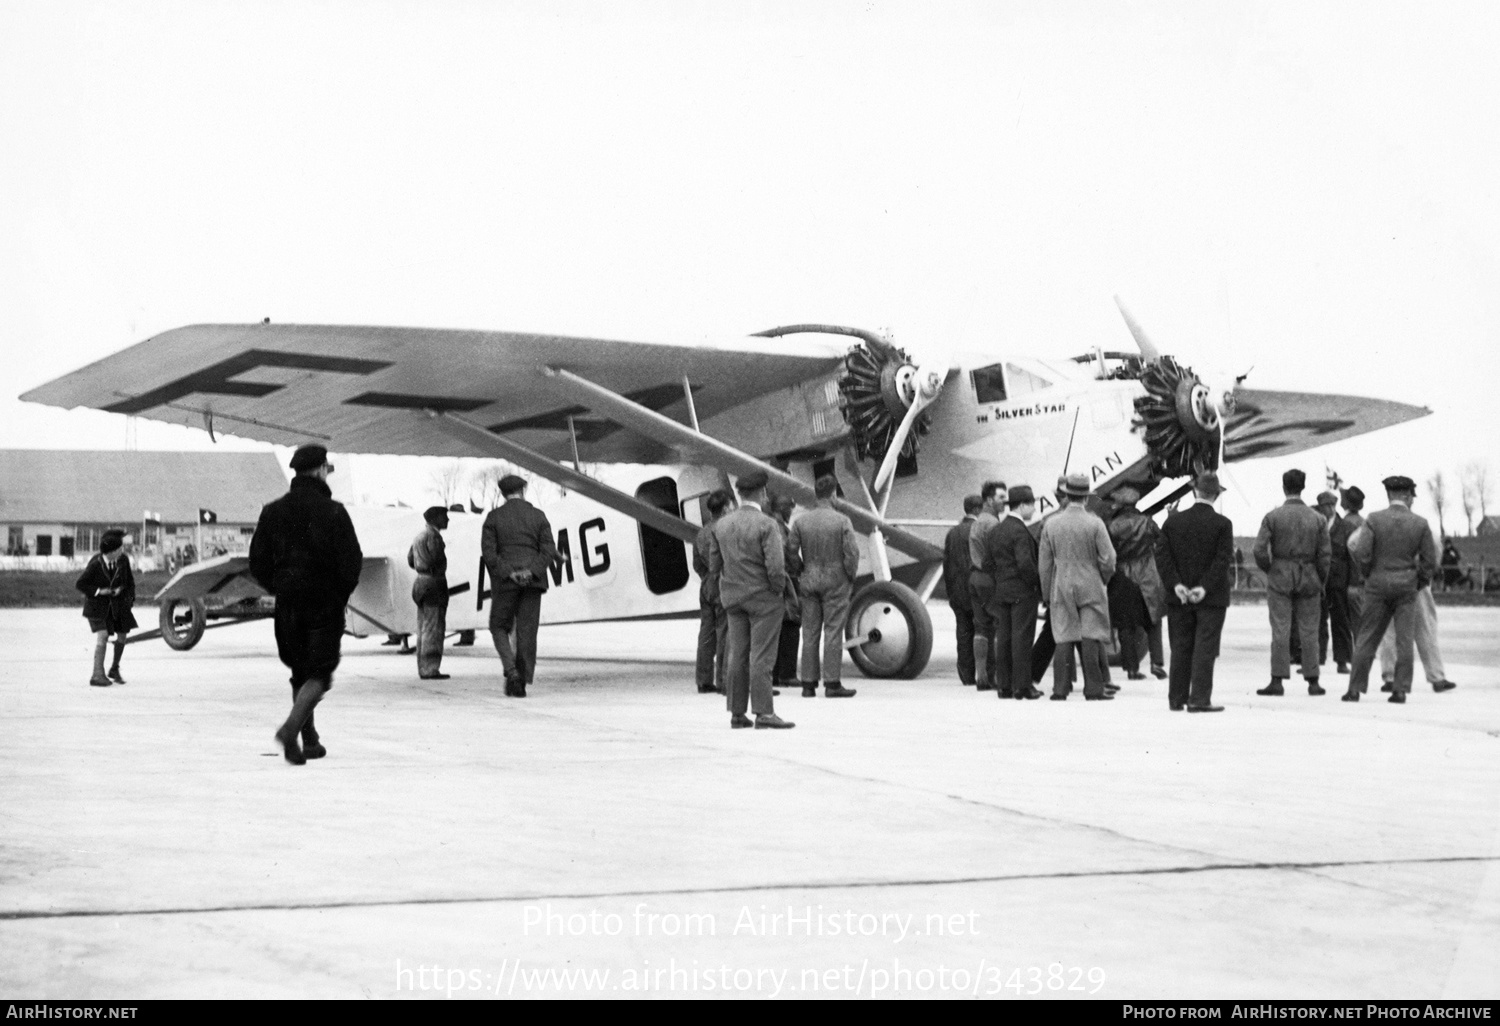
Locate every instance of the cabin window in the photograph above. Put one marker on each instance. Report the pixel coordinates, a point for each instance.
(663, 556)
(989, 384)
(1022, 381)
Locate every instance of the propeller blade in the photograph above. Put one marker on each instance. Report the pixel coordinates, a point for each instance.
(926, 387)
(1147, 347)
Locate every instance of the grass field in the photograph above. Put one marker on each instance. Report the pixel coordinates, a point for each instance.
(38, 589)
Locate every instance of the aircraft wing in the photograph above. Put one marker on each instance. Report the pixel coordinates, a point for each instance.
(365, 389)
(1283, 423)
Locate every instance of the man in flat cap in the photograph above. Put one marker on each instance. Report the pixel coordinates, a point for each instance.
(518, 549)
(713, 627)
(428, 556)
(956, 568)
(747, 553)
(1398, 556)
(824, 544)
(1194, 555)
(1076, 560)
(1017, 592)
(1293, 550)
(305, 552)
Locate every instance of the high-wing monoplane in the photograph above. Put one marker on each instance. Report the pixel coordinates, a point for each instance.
(906, 438)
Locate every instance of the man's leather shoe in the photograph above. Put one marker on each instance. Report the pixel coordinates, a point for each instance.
(710, 690)
(1273, 688)
(100, 682)
(1177, 706)
(1342, 668)
(1444, 685)
(1098, 698)
(115, 675)
(1398, 697)
(1059, 698)
(1205, 708)
(770, 721)
(289, 747)
(1314, 688)
(1004, 693)
(1135, 675)
(1159, 672)
(1029, 694)
(837, 690)
(1388, 686)
(1349, 696)
(984, 687)
(809, 691)
(739, 721)
(314, 750)
(437, 676)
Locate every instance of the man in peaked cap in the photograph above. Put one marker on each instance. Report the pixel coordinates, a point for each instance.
(428, 556)
(1398, 556)
(518, 549)
(305, 552)
(747, 553)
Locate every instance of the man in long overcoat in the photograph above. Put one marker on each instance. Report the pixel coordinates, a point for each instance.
(1076, 560)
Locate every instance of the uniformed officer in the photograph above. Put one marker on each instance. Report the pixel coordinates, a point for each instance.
(305, 552)
(518, 549)
(428, 556)
(747, 553)
(712, 624)
(982, 582)
(825, 545)
(1396, 551)
(1076, 560)
(1293, 550)
(956, 568)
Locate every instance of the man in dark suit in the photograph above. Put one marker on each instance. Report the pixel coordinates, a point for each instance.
(1017, 592)
(747, 552)
(518, 549)
(1194, 555)
(305, 552)
(1336, 592)
(1293, 550)
(956, 584)
(1398, 556)
(1353, 501)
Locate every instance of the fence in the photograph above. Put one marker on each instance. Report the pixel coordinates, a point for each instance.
(70, 564)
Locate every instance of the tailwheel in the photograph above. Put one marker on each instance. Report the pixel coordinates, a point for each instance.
(182, 622)
(888, 633)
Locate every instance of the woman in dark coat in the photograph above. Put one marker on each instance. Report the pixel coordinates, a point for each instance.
(108, 589)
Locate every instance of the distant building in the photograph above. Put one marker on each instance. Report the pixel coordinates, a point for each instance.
(1488, 526)
(57, 503)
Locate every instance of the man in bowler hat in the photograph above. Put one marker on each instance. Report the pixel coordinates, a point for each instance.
(747, 552)
(1016, 594)
(518, 547)
(1195, 554)
(305, 552)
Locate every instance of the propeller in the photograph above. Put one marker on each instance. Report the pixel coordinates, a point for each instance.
(1148, 348)
(920, 388)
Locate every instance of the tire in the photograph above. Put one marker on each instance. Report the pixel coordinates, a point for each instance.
(182, 623)
(904, 631)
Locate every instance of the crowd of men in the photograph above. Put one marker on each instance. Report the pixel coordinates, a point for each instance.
(1101, 571)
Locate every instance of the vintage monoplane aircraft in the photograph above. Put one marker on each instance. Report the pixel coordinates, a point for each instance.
(907, 439)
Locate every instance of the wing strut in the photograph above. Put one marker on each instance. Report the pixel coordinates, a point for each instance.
(715, 453)
(472, 434)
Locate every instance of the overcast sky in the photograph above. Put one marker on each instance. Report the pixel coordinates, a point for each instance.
(1311, 189)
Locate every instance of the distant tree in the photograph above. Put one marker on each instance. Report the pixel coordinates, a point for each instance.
(447, 483)
(1468, 498)
(1477, 492)
(1437, 488)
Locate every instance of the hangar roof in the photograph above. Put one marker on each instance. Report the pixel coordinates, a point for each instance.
(116, 486)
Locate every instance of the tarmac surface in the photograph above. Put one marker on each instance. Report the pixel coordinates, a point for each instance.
(610, 835)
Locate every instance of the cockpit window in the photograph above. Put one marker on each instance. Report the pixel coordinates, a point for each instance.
(989, 384)
(1023, 381)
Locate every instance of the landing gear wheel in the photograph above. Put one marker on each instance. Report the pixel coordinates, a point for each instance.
(182, 623)
(897, 629)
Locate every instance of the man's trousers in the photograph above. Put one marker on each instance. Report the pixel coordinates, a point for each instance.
(712, 624)
(963, 631)
(1426, 639)
(824, 611)
(1015, 630)
(1379, 611)
(1341, 626)
(1302, 612)
(517, 611)
(753, 634)
(432, 622)
(1194, 633)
